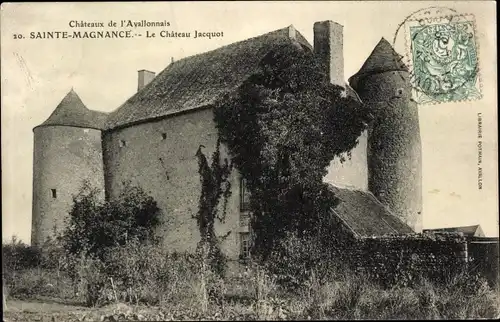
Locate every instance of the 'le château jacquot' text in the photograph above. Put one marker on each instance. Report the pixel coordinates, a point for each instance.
(122, 34)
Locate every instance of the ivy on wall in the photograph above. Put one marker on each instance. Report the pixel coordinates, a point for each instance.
(283, 127)
(215, 185)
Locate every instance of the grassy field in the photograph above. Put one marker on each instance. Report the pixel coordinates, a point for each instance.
(48, 309)
(147, 283)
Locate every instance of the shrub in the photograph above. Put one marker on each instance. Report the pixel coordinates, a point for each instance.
(148, 273)
(293, 260)
(29, 283)
(52, 255)
(30, 271)
(354, 296)
(95, 225)
(90, 280)
(17, 256)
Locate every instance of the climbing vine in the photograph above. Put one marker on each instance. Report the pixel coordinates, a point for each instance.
(283, 127)
(215, 185)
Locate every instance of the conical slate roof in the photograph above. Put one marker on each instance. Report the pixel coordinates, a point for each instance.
(382, 59)
(72, 112)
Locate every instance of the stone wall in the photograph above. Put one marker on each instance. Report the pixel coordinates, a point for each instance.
(392, 259)
(160, 157)
(353, 172)
(483, 253)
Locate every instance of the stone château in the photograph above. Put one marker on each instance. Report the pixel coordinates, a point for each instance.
(152, 138)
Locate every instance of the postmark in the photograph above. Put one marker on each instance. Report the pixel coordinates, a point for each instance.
(442, 55)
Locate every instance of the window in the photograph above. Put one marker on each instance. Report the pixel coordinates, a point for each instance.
(244, 196)
(164, 136)
(123, 143)
(244, 245)
(54, 193)
(244, 218)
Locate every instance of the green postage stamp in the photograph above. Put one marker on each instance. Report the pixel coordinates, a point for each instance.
(443, 59)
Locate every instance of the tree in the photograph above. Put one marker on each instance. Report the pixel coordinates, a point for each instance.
(94, 225)
(283, 127)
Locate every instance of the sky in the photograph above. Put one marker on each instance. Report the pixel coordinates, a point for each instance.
(37, 73)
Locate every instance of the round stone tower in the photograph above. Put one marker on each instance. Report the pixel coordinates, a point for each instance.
(394, 146)
(67, 150)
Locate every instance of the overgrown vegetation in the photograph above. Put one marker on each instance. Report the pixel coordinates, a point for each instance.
(283, 127)
(95, 225)
(215, 187)
(137, 275)
(16, 255)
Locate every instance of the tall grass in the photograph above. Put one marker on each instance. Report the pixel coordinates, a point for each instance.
(182, 288)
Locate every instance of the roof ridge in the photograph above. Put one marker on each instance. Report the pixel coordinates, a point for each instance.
(229, 65)
(177, 62)
(229, 45)
(477, 225)
(350, 188)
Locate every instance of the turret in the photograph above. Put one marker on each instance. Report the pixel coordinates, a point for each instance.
(394, 146)
(67, 150)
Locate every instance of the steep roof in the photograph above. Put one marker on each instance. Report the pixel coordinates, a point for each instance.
(383, 58)
(365, 216)
(72, 112)
(474, 230)
(197, 81)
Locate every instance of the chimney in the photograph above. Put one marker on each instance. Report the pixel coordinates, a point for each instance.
(329, 50)
(145, 77)
(292, 33)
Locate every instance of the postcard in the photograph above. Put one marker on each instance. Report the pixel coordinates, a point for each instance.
(249, 160)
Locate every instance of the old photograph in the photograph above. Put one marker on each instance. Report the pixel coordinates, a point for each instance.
(291, 160)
